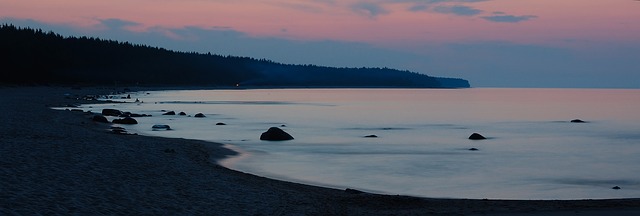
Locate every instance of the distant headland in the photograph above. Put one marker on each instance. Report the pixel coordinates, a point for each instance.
(35, 57)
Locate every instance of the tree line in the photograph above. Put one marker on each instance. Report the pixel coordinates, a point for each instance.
(32, 56)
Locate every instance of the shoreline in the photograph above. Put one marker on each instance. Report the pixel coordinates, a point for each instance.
(60, 162)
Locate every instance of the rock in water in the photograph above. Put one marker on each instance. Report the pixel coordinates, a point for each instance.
(138, 115)
(275, 134)
(577, 121)
(160, 127)
(126, 120)
(111, 112)
(170, 113)
(199, 115)
(476, 136)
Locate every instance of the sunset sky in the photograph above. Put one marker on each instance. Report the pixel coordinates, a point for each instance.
(491, 43)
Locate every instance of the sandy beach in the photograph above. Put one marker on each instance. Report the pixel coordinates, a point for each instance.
(60, 162)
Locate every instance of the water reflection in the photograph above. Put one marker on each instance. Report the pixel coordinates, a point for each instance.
(421, 148)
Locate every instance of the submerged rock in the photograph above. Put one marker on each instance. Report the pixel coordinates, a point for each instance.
(221, 123)
(476, 136)
(473, 149)
(616, 188)
(160, 127)
(139, 115)
(199, 115)
(371, 136)
(577, 121)
(182, 113)
(275, 134)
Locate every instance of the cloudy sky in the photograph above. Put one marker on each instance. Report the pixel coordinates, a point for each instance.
(491, 43)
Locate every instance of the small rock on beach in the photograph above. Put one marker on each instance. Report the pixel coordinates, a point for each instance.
(100, 118)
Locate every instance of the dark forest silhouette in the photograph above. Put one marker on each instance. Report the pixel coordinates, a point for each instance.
(35, 57)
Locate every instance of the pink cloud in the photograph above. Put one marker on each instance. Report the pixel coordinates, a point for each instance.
(412, 21)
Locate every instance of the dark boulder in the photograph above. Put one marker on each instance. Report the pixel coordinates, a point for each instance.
(100, 118)
(199, 115)
(182, 114)
(125, 120)
(473, 149)
(616, 188)
(577, 121)
(275, 134)
(221, 123)
(170, 113)
(476, 136)
(111, 112)
(371, 136)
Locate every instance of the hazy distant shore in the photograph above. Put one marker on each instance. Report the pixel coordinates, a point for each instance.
(61, 162)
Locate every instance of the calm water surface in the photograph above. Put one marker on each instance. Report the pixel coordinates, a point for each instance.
(533, 151)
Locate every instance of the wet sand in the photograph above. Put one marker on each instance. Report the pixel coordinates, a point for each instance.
(60, 162)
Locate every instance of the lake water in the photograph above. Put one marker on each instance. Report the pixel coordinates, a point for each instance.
(422, 148)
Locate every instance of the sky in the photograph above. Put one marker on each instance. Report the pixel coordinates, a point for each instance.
(491, 43)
